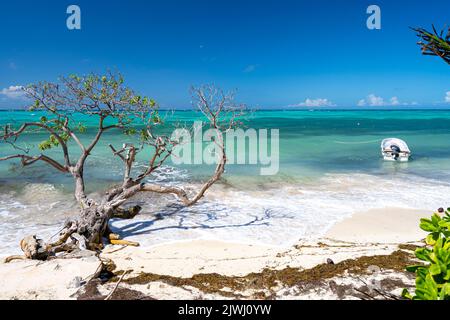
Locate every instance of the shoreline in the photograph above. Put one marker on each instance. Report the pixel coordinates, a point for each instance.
(229, 213)
(366, 234)
(379, 229)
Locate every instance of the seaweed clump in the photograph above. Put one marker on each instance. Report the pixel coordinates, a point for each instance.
(264, 282)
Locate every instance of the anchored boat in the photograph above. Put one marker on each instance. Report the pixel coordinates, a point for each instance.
(393, 149)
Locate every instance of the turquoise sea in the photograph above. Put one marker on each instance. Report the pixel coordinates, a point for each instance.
(330, 167)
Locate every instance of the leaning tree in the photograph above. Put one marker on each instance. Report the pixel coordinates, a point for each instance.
(114, 106)
(434, 43)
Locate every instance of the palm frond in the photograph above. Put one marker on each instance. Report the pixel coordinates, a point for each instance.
(434, 43)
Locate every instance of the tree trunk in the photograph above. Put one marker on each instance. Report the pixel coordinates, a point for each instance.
(87, 232)
(93, 223)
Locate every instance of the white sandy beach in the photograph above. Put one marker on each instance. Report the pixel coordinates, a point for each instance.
(376, 232)
(372, 232)
(388, 225)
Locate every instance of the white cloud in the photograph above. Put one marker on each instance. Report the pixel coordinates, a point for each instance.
(250, 68)
(13, 92)
(377, 101)
(394, 101)
(447, 97)
(319, 102)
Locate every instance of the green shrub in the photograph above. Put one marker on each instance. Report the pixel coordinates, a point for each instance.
(433, 277)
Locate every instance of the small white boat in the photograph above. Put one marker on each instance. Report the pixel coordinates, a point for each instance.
(393, 149)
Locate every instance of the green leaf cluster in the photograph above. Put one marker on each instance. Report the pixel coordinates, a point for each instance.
(433, 278)
(52, 141)
(57, 125)
(102, 96)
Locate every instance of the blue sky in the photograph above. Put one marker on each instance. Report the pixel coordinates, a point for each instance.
(276, 53)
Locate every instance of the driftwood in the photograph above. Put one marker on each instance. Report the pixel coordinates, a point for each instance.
(109, 296)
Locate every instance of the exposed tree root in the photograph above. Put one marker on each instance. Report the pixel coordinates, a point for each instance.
(129, 213)
(76, 237)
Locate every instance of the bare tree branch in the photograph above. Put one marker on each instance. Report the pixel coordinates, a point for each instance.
(14, 134)
(28, 160)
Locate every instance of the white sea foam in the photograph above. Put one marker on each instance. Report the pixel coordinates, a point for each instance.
(282, 214)
(36, 209)
(275, 213)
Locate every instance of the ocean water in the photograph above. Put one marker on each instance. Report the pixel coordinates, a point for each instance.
(330, 168)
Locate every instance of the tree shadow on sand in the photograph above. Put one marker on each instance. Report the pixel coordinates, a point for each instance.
(182, 215)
